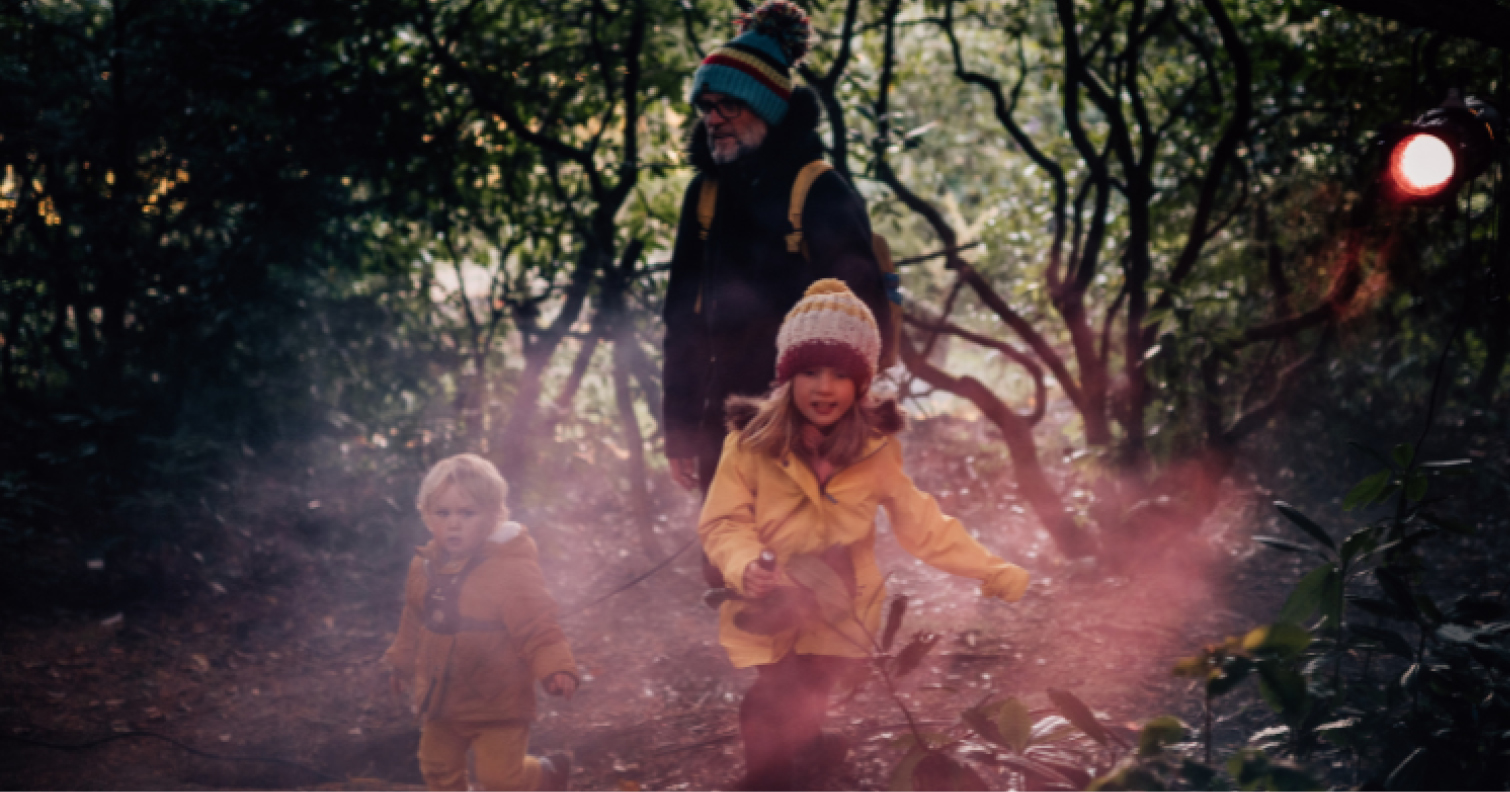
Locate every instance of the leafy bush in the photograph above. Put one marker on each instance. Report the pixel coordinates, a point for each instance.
(1064, 748)
(1363, 663)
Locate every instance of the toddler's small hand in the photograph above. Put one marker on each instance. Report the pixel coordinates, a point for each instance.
(684, 472)
(396, 685)
(561, 684)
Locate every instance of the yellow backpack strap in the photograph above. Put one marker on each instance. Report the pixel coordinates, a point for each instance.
(805, 178)
(706, 201)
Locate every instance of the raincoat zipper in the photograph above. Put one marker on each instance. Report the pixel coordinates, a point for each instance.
(823, 485)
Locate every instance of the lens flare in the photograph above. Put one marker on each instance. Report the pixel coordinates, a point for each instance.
(1422, 165)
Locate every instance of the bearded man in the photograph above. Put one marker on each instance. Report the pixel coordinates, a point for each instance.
(733, 282)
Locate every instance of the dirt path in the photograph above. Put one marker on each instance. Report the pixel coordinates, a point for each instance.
(290, 671)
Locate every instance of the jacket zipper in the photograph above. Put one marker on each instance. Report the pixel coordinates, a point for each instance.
(823, 485)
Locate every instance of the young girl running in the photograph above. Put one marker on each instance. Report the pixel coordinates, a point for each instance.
(802, 472)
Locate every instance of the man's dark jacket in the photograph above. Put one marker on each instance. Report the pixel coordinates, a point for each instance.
(747, 279)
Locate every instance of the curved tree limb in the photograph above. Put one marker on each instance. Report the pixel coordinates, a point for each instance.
(1003, 109)
(1035, 340)
(1344, 288)
(1076, 73)
(489, 99)
(1245, 423)
(827, 87)
(1225, 152)
(1040, 391)
(1034, 485)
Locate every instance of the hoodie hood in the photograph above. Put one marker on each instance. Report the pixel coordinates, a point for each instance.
(793, 141)
(506, 532)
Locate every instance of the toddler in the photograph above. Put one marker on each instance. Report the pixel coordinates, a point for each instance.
(478, 630)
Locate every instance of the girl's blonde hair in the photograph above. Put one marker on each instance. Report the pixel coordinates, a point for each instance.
(772, 425)
(474, 475)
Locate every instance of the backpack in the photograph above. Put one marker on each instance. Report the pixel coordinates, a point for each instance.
(707, 200)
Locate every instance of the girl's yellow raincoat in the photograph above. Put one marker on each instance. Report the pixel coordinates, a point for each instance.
(758, 501)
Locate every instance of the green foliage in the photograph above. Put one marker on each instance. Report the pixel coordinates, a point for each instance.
(1079, 714)
(1433, 715)
(1159, 733)
(1047, 751)
(1320, 590)
(1007, 723)
(895, 611)
(192, 278)
(274, 255)
(913, 653)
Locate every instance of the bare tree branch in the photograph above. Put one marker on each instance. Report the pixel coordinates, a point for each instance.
(1344, 287)
(1035, 487)
(630, 159)
(826, 86)
(1208, 58)
(1110, 319)
(922, 257)
(1075, 73)
(1225, 152)
(1040, 391)
(1004, 110)
(1035, 340)
(1255, 418)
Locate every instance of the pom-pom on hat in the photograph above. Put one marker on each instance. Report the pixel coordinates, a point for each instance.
(756, 67)
(829, 326)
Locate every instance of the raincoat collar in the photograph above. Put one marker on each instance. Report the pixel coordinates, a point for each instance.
(802, 473)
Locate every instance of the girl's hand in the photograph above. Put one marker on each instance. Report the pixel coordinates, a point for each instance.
(396, 685)
(1007, 584)
(759, 581)
(560, 684)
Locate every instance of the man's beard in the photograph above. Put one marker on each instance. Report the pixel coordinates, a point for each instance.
(733, 147)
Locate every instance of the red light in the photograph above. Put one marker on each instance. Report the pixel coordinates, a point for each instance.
(1421, 165)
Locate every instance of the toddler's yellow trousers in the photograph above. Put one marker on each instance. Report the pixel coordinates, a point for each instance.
(497, 748)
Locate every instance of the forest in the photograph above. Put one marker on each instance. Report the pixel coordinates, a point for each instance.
(1177, 339)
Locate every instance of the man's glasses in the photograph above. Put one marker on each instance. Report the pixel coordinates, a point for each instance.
(726, 107)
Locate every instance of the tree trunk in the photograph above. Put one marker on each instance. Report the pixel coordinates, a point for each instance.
(1032, 482)
(579, 368)
(647, 378)
(634, 442)
(1094, 382)
(621, 325)
(514, 450)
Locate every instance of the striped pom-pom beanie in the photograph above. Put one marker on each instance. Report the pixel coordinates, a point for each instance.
(829, 326)
(756, 67)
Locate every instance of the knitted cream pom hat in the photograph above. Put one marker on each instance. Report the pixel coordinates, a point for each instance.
(829, 326)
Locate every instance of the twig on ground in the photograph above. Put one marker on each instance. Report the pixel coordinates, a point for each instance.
(573, 611)
(165, 738)
(714, 740)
